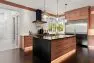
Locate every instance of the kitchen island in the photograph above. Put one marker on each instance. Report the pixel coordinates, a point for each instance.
(50, 48)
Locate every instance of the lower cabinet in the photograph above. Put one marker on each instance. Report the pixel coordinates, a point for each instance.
(49, 50)
(91, 41)
(61, 47)
(26, 43)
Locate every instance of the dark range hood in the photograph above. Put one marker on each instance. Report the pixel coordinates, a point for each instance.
(39, 17)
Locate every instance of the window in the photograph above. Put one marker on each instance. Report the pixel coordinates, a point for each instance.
(53, 25)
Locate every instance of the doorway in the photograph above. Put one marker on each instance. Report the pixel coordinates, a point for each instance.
(8, 29)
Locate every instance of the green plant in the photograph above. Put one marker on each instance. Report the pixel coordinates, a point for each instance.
(55, 27)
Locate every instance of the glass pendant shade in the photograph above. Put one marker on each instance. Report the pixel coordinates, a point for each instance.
(57, 18)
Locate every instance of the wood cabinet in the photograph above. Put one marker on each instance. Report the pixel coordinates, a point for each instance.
(26, 43)
(91, 21)
(61, 47)
(77, 14)
(91, 41)
(49, 50)
(72, 15)
(84, 13)
(91, 28)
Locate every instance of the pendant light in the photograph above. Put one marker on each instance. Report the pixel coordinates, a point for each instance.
(65, 11)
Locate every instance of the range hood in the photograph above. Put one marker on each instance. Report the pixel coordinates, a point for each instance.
(39, 17)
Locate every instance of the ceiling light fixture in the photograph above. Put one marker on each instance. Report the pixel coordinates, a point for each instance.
(65, 12)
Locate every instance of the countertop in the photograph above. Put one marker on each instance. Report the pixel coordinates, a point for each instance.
(53, 37)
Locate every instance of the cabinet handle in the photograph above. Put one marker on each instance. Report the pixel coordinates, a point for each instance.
(14, 28)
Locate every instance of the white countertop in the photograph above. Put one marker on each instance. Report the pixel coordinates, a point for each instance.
(56, 37)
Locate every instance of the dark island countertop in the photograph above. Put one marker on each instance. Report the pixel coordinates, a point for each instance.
(53, 37)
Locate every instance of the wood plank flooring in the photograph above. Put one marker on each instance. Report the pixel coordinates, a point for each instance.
(83, 55)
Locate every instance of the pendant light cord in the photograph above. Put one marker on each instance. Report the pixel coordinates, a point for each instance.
(44, 6)
(57, 7)
(66, 7)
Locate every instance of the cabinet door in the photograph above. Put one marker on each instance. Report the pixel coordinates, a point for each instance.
(91, 40)
(56, 49)
(84, 12)
(91, 25)
(92, 21)
(27, 41)
(62, 46)
(72, 15)
(67, 15)
(81, 13)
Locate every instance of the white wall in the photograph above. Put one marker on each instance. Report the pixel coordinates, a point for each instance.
(26, 24)
(25, 20)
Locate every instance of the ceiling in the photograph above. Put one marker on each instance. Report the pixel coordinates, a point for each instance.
(51, 4)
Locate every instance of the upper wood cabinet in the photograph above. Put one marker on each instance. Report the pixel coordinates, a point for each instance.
(62, 46)
(81, 13)
(91, 21)
(84, 13)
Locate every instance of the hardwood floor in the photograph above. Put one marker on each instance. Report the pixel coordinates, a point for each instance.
(83, 55)
(11, 56)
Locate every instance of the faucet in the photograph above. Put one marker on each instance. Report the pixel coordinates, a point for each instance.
(30, 33)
